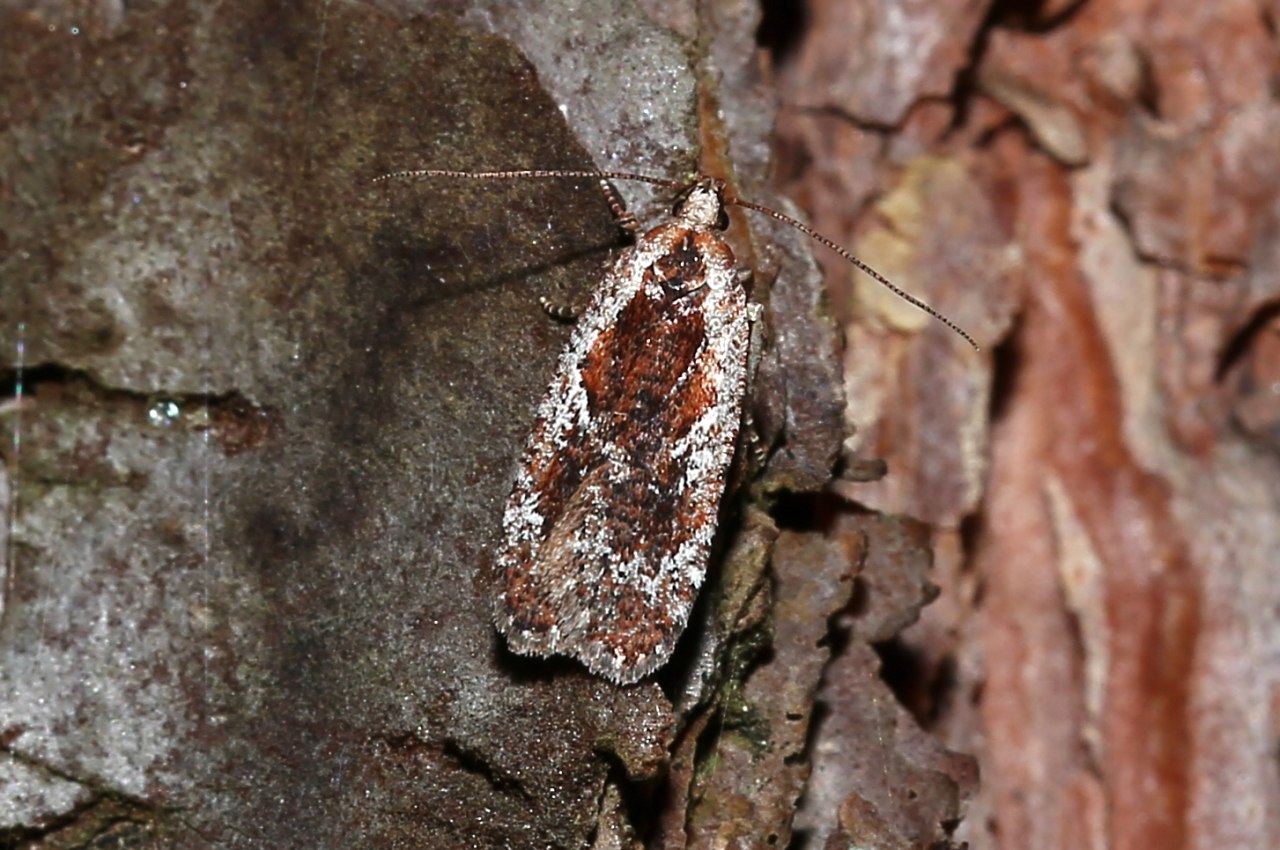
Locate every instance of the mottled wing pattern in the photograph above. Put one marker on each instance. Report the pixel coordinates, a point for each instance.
(610, 521)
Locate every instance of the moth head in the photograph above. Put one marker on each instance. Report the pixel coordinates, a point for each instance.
(702, 204)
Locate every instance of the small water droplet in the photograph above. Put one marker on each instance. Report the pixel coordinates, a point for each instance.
(163, 412)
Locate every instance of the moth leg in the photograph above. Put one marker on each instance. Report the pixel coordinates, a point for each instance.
(624, 217)
(560, 307)
(753, 441)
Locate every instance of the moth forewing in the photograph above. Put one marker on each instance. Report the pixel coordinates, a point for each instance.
(609, 526)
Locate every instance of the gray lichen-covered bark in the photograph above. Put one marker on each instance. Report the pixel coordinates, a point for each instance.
(263, 417)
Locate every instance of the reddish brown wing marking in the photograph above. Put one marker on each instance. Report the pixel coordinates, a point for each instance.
(609, 524)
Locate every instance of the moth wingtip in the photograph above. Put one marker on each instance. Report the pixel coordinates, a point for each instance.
(521, 639)
(597, 657)
(601, 661)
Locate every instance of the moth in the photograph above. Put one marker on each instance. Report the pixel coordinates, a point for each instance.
(608, 529)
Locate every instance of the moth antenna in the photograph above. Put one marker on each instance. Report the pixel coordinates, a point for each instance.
(859, 264)
(535, 173)
(416, 174)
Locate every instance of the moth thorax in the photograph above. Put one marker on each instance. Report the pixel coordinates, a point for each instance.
(703, 205)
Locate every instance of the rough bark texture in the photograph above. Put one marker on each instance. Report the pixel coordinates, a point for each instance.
(260, 418)
(1092, 192)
